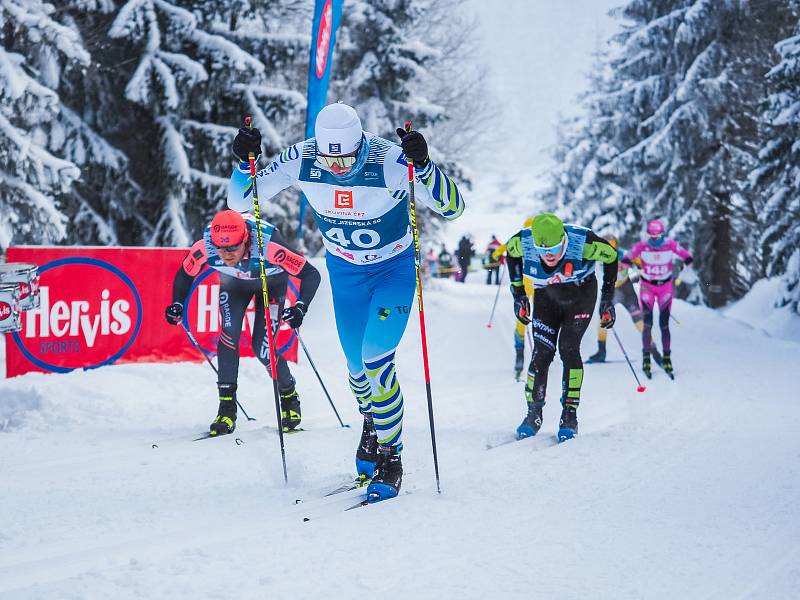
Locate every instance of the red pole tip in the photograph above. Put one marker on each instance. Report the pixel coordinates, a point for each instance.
(641, 388)
(489, 325)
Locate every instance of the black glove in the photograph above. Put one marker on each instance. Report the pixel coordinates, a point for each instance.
(247, 141)
(174, 313)
(414, 146)
(294, 315)
(607, 314)
(522, 306)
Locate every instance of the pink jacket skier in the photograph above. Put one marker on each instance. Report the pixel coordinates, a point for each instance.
(656, 255)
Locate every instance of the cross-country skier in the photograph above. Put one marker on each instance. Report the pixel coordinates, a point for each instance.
(561, 261)
(356, 183)
(656, 254)
(491, 265)
(624, 294)
(230, 246)
(445, 263)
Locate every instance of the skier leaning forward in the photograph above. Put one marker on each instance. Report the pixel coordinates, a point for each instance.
(356, 183)
(561, 261)
(230, 246)
(624, 294)
(656, 255)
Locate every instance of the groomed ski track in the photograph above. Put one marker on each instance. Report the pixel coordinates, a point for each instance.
(688, 490)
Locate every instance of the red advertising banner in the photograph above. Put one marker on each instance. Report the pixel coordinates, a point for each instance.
(101, 305)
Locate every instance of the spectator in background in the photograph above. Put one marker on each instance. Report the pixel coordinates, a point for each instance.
(491, 265)
(464, 255)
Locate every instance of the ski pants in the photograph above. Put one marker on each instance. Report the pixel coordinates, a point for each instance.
(561, 314)
(649, 295)
(234, 297)
(493, 271)
(625, 294)
(371, 304)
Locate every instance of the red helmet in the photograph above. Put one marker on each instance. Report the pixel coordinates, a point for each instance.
(228, 228)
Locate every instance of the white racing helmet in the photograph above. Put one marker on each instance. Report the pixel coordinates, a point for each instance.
(337, 130)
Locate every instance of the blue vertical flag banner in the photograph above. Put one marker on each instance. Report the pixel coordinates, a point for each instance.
(327, 15)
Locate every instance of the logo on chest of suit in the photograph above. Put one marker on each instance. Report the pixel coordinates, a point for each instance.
(554, 279)
(343, 198)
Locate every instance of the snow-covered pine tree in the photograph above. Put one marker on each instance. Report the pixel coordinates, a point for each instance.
(34, 49)
(392, 58)
(683, 105)
(778, 177)
(194, 83)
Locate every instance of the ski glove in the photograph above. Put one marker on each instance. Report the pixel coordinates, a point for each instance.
(414, 146)
(608, 314)
(522, 306)
(294, 315)
(174, 313)
(246, 141)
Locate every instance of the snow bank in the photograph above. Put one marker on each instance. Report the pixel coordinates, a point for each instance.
(758, 310)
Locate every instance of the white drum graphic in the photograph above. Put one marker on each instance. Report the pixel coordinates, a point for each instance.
(26, 276)
(9, 309)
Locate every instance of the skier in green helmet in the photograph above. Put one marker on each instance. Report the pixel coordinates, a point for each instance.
(560, 259)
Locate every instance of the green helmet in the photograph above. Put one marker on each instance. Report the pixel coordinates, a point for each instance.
(548, 230)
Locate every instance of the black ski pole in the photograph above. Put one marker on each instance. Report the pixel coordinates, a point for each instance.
(324, 389)
(265, 297)
(640, 387)
(423, 336)
(496, 296)
(211, 364)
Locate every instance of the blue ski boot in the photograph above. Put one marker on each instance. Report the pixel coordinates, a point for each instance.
(532, 422)
(388, 475)
(568, 425)
(367, 453)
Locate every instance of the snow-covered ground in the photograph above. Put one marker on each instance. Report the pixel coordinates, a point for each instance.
(688, 490)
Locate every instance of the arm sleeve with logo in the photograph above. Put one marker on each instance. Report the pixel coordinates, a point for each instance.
(192, 264)
(437, 191)
(281, 173)
(514, 261)
(281, 254)
(596, 248)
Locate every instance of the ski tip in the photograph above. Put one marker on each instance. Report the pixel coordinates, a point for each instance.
(306, 519)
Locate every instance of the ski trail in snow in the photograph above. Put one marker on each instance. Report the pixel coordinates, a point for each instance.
(686, 490)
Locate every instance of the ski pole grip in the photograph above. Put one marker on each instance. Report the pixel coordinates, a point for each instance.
(248, 122)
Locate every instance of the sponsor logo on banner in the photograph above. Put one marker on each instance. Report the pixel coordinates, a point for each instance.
(95, 320)
(323, 40)
(343, 198)
(315, 173)
(5, 310)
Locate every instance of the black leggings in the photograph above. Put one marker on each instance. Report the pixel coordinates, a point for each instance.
(561, 312)
(234, 296)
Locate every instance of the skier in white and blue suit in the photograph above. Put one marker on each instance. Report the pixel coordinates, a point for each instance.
(357, 183)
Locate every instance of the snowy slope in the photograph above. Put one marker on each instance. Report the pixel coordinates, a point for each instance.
(686, 491)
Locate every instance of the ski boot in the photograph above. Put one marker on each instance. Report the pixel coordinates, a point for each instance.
(388, 475)
(532, 422)
(600, 355)
(519, 363)
(290, 410)
(646, 366)
(225, 421)
(568, 425)
(367, 453)
(666, 364)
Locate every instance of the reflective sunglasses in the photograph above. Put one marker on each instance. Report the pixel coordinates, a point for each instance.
(555, 249)
(343, 162)
(233, 248)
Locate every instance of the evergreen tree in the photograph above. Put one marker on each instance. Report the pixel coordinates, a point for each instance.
(679, 131)
(194, 82)
(34, 49)
(778, 177)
